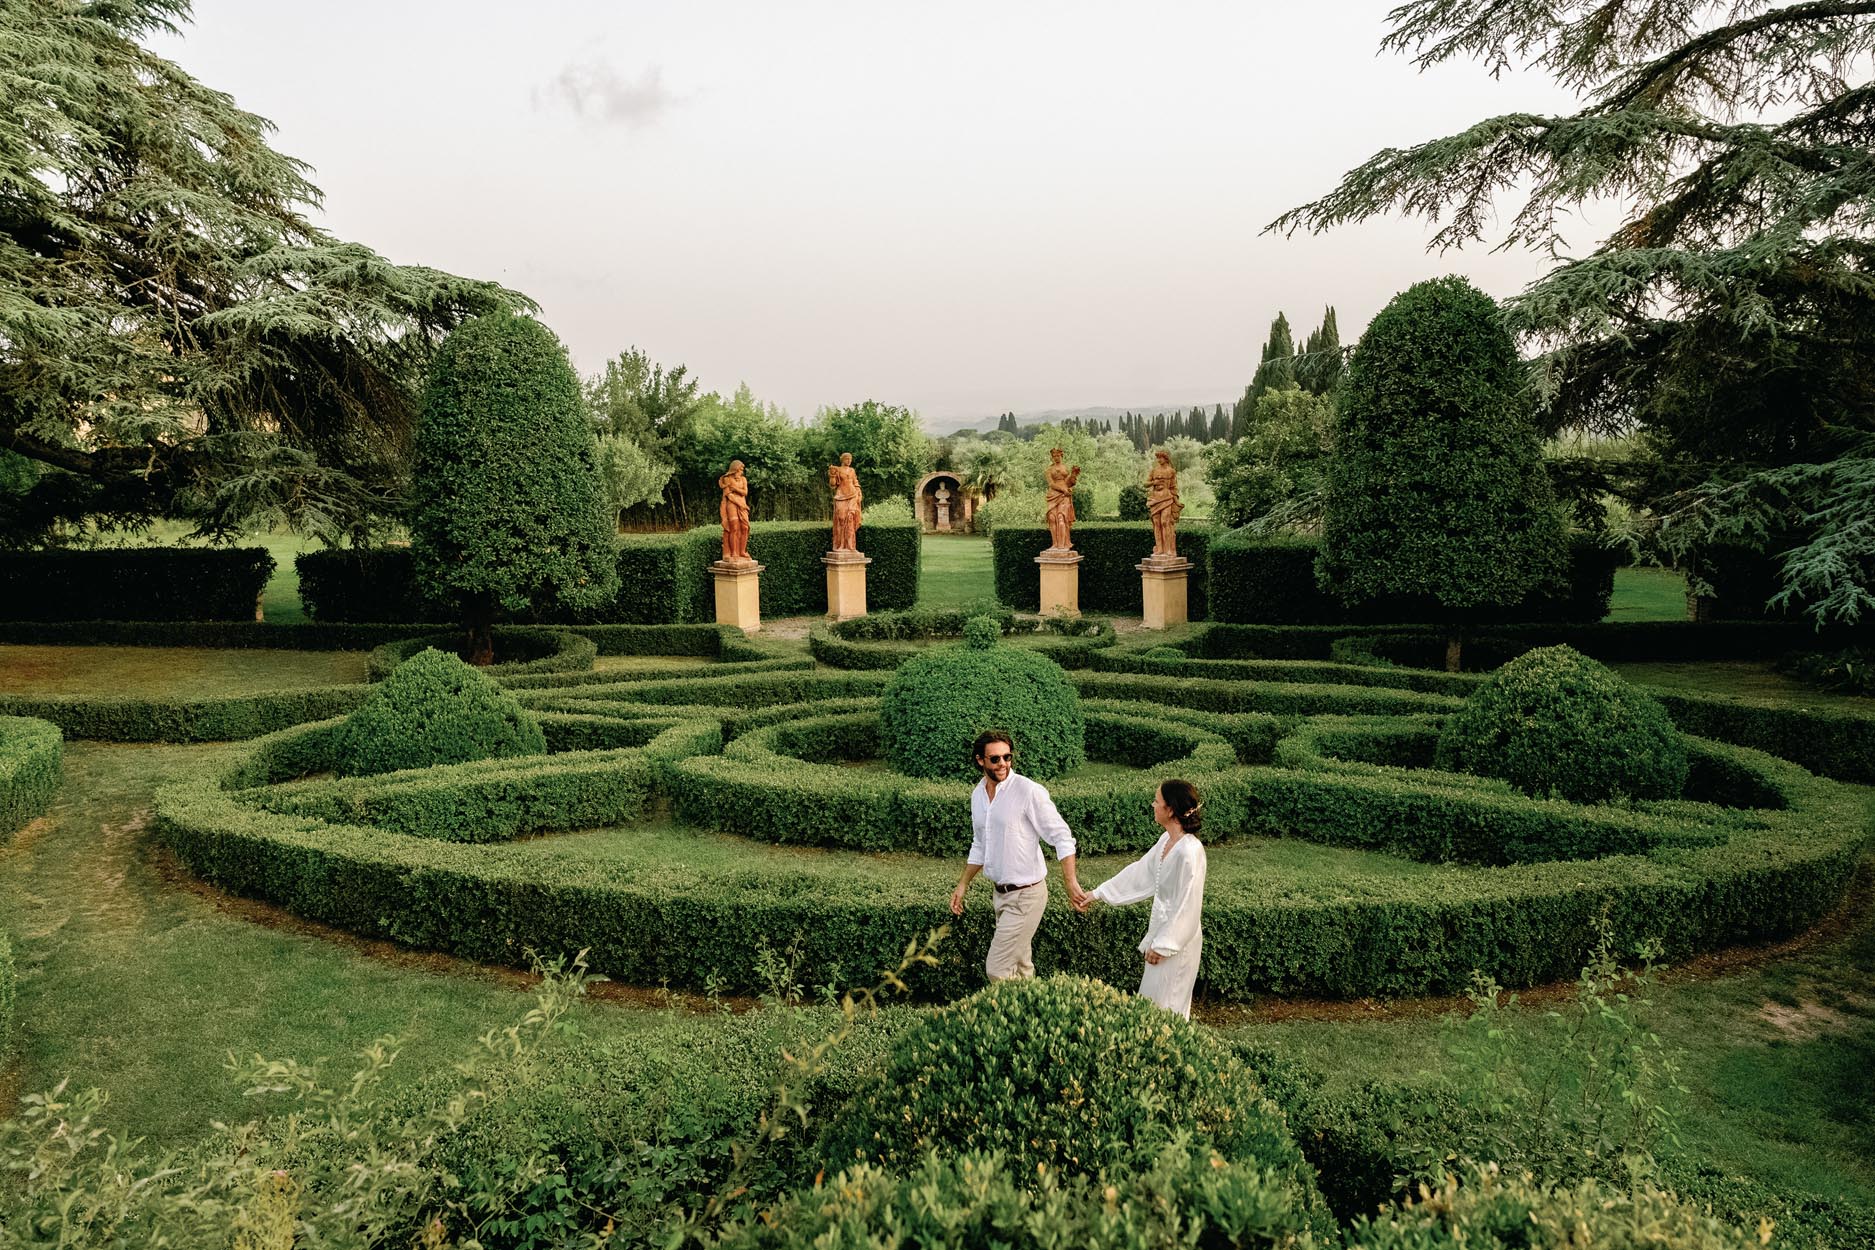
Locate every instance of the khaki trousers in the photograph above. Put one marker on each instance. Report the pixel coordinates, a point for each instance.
(1018, 916)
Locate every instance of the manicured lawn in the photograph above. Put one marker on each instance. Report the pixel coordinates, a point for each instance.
(1647, 594)
(955, 569)
(148, 672)
(1750, 679)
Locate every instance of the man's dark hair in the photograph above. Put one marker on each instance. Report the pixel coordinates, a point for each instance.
(993, 735)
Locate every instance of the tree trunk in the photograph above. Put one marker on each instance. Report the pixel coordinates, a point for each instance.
(479, 647)
(1454, 644)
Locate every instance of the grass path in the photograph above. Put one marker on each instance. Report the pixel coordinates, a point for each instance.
(140, 985)
(954, 569)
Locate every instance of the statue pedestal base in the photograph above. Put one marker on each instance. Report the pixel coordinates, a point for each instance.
(1162, 590)
(846, 584)
(738, 593)
(1061, 581)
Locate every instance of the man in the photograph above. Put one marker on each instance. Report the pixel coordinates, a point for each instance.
(1011, 817)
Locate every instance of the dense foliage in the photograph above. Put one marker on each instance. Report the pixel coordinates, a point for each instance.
(175, 333)
(1729, 313)
(32, 763)
(1256, 577)
(663, 578)
(1110, 553)
(134, 584)
(1554, 721)
(507, 515)
(937, 703)
(1436, 487)
(434, 709)
(1274, 472)
(1061, 1075)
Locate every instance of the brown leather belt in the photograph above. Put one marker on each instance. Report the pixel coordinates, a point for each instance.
(1011, 889)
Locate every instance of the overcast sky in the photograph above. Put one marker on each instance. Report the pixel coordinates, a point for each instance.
(959, 207)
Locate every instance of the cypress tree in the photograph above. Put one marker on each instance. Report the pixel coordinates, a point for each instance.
(1320, 367)
(1220, 425)
(1437, 486)
(508, 516)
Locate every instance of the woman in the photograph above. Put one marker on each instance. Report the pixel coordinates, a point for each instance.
(1172, 875)
(1163, 507)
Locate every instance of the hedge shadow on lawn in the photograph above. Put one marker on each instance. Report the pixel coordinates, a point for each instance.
(1281, 917)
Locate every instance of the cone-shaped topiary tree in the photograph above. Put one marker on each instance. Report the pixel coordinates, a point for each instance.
(433, 709)
(509, 515)
(1437, 486)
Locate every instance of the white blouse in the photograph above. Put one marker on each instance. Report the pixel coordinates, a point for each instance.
(1174, 881)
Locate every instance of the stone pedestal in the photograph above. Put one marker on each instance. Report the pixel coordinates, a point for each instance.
(738, 593)
(1162, 590)
(944, 518)
(1061, 581)
(846, 584)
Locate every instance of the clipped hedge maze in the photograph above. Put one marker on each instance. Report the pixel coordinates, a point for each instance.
(32, 761)
(1342, 863)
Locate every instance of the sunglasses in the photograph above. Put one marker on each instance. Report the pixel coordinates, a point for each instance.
(999, 759)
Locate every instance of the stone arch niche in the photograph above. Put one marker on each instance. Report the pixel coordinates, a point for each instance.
(941, 504)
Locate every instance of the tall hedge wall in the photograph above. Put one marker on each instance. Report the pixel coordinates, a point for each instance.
(1271, 581)
(136, 584)
(663, 578)
(1110, 550)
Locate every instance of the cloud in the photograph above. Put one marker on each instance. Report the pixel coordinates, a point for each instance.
(594, 89)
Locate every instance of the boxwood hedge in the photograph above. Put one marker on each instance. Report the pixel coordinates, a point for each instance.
(663, 577)
(782, 783)
(32, 759)
(222, 718)
(134, 584)
(1110, 550)
(1326, 921)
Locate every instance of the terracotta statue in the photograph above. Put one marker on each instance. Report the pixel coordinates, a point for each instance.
(1163, 507)
(846, 503)
(735, 487)
(1061, 480)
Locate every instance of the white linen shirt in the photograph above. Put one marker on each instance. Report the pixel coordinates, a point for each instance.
(1008, 832)
(1174, 883)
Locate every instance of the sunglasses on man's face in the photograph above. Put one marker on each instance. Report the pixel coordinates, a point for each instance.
(999, 759)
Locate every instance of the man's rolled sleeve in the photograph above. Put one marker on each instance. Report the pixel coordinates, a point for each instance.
(1048, 823)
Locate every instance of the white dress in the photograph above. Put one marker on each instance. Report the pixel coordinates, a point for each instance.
(1174, 881)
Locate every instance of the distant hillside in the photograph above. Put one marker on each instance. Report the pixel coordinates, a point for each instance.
(939, 427)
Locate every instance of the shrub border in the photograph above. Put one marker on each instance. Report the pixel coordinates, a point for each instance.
(1069, 651)
(32, 763)
(1371, 935)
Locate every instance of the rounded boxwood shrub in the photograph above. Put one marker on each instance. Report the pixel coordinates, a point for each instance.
(1063, 1073)
(434, 709)
(1554, 721)
(938, 702)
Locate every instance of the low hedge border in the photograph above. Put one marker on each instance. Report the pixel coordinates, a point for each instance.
(1134, 659)
(1443, 817)
(1276, 698)
(649, 914)
(781, 783)
(1607, 641)
(1067, 650)
(1829, 742)
(609, 782)
(537, 651)
(32, 763)
(228, 717)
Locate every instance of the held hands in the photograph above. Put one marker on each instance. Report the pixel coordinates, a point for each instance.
(1080, 899)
